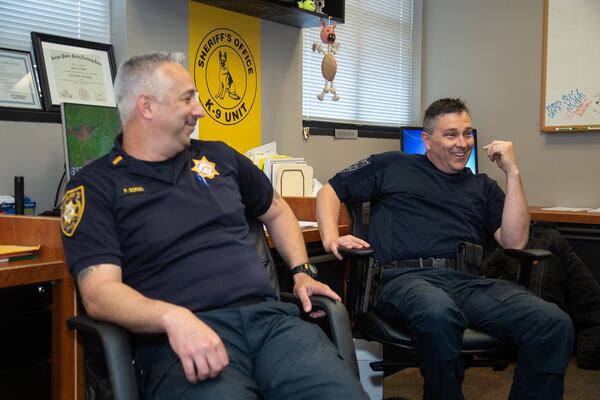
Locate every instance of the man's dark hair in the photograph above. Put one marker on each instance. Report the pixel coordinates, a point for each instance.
(441, 107)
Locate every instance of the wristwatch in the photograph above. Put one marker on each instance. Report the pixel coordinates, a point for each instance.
(307, 268)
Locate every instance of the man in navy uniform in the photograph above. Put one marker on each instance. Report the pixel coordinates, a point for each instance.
(156, 234)
(421, 207)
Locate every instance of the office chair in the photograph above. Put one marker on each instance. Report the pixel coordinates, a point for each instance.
(116, 344)
(478, 347)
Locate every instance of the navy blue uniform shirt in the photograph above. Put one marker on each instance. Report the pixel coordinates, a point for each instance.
(418, 210)
(182, 240)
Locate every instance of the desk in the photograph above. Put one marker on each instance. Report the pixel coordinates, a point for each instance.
(305, 209)
(50, 266)
(331, 270)
(571, 217)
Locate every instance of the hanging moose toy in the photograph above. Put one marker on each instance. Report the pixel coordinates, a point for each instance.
(329, 64)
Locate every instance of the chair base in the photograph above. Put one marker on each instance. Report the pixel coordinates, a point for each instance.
(404, 358)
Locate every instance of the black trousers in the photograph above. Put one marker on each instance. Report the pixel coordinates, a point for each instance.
(273, 354)
(437, 304)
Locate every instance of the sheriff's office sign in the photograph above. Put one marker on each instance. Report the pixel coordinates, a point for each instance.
(224, 51)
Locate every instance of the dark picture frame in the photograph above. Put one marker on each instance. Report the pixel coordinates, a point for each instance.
(74, 70)
(16, 71)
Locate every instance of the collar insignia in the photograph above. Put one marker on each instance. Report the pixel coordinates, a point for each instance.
(204, 168)
(72, 207)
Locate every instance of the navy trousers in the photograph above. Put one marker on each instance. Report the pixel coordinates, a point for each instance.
(273, 354)
(437, 304)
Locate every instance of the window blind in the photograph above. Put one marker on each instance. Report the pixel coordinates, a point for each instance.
(375, 66)
(78, 19)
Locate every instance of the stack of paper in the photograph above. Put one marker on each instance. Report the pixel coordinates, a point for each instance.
(266, 149)
(290, 176)
(572, 209)
(10, 252)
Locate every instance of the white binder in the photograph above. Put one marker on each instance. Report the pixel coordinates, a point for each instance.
(293, 180)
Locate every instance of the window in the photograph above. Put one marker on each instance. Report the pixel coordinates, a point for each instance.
(375, 66)
(78, 19)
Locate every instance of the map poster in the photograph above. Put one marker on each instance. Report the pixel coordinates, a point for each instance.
(89, 132)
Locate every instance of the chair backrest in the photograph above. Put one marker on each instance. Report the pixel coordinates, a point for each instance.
(359, 219)
(363, 277)
(261, 244)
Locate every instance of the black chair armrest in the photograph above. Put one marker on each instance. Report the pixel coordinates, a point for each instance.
(528, 254)
(527, 257)
(117, 352)
(364, 252)
(339, 325)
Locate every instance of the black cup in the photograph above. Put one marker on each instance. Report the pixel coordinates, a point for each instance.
(19, 195)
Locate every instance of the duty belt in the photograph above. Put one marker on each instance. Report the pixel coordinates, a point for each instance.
(421, 263)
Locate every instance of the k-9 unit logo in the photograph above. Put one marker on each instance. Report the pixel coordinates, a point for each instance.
(226, 76)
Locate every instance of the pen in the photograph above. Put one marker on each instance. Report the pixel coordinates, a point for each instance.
(202, 179)
(564, 129)
(593, 128)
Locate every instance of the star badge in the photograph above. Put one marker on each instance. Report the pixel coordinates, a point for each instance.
(204, 168)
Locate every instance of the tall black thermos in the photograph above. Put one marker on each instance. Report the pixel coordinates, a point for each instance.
(19, 195)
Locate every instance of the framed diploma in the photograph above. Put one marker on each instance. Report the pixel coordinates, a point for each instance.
(18, 88)
(74, 71)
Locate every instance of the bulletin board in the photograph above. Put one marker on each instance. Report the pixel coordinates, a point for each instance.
(571, 66)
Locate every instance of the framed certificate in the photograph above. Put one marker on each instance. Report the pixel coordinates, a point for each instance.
(74, 71)
(18, 88)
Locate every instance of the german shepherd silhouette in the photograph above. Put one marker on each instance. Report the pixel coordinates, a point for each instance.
(226, 84)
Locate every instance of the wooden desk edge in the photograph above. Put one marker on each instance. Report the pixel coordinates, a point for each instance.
(537, 213)
(311, 235)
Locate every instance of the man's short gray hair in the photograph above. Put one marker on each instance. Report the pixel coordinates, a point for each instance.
(139, 74)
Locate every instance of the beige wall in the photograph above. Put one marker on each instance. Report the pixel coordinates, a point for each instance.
(486, 51)
(34, 151)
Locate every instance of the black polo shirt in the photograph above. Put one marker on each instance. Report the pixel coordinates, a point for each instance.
(182, 240)
(418, 210)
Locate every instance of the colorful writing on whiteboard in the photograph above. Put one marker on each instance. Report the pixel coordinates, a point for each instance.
(574, 103)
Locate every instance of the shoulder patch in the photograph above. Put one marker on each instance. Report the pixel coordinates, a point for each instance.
(72, 206)
(358, 165)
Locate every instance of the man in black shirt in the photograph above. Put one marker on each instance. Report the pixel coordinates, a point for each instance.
(421, 207)
(156, 235)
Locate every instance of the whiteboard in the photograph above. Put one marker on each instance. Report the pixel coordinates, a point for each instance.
(571, 66)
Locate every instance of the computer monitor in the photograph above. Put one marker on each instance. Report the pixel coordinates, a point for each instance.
(89, 132)
(412, 143)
